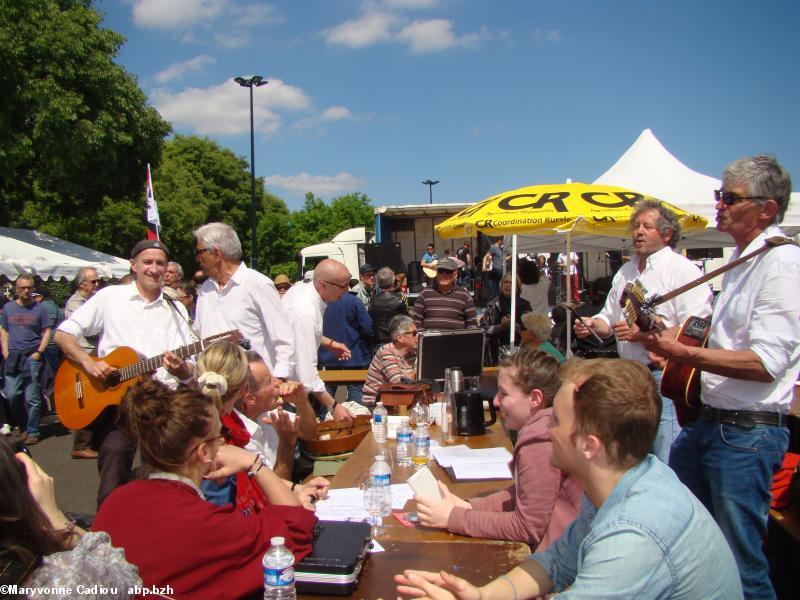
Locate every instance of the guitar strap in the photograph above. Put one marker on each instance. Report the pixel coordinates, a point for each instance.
(769, 243)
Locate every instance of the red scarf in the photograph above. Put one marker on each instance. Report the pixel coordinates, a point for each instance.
(249, 495)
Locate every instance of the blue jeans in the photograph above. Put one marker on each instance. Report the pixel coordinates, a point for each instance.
(730, 470)
(354, 392)
(668, 428)
(25, 397)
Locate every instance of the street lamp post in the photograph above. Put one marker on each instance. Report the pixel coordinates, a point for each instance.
(430, 185)
(254, 81)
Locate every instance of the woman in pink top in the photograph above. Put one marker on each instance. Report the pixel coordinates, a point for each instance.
(543, 500)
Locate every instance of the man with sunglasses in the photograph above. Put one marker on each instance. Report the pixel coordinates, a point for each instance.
(305, 305)
(444, 305)
(87, 282)
(729, 455)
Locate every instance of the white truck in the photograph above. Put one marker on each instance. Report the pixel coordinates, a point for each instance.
(347, 247)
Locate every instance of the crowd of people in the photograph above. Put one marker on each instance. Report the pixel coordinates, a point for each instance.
(611, 493)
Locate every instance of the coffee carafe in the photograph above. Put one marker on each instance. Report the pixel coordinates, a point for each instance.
(469, 413)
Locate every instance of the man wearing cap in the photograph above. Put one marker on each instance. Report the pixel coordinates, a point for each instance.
(236, 297)
(138, 316)
(364, 290)
(282, 284)
(444, 305)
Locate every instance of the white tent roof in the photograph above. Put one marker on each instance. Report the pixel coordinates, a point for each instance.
(28, 251)
(648, 167)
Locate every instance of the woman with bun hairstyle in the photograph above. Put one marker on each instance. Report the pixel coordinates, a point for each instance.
(167, 528)
(222, 374)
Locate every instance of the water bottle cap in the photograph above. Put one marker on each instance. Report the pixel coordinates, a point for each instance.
(277, 541)
(380, 457)
(380, 403)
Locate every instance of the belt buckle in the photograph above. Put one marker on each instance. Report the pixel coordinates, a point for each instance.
(739, 419)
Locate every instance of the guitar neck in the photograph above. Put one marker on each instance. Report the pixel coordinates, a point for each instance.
(149, 365)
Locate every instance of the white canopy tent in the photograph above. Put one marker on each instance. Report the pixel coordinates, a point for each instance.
(31, 252)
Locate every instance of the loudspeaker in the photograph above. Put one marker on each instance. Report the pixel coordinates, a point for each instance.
(386, 254)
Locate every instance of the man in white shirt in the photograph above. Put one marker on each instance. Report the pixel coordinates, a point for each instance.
(274, 431)
(140, 317)
(654, 230)
(728, 456)
(237, 297)
(569, 268)
(305, 305)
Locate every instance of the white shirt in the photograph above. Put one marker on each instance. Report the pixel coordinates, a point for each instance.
(664, 271)
(536, 294)
(263, 437)
(573, 260)
(250, 303)
(305, 309)
(122, 317)
(758, 309)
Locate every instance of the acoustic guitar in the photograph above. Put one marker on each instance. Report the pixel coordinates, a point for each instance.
(681, 383)
(431, 271)
(80, 398)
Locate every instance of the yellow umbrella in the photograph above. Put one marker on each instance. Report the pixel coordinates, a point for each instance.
(570, 209)
(574, 208)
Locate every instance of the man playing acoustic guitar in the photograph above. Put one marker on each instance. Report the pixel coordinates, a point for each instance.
(654, 231)
(729, 455)
(136, 315)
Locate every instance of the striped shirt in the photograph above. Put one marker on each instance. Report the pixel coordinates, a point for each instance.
(452, 310)
(387, 366)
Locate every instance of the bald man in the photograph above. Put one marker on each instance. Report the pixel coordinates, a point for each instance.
(305, 304)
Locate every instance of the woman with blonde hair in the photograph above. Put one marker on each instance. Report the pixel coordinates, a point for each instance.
(164, 522)
(222, 374)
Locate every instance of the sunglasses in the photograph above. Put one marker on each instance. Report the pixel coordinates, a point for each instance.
(729, 198)
(414, 333)
(338, 285)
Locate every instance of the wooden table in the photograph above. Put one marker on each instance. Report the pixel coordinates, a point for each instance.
(477, 559)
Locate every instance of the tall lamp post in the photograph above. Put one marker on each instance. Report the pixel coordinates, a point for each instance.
(254, 81)
(430, 185)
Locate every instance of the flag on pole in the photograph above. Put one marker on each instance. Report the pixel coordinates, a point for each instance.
(153, 222)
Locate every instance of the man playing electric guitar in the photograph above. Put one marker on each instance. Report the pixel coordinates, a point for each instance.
(135, 315)
(654, 231)
(729, 455)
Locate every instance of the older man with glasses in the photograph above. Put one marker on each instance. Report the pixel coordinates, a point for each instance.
(728, 456)
(444, 305)
(305, 305)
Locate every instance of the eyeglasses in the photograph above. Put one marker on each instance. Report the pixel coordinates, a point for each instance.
(224, 435)
(283, 287)
(24, 287)
(93, 281)
(729, 198)
(413, 333)
(445, 271)
(338, 285)
(199, 251)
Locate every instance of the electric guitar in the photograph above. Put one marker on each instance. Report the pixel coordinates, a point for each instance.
(80, 398)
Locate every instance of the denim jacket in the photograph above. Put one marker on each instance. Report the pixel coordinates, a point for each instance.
(651, 538)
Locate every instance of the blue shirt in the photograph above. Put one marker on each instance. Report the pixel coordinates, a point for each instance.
(24, 325)
(347, 321)
(651, 538)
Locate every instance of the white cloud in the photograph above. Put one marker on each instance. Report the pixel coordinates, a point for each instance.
(178, 70)
(336, 113)
(370, 28)
(176, 14)
(543, 36)
(225, 109)
(257, 14)
(379, 23)
(319, 185)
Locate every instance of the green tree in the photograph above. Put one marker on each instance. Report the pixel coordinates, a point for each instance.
(75, 128)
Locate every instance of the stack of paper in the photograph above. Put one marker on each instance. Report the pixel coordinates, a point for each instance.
(471, 464)
(347, 504)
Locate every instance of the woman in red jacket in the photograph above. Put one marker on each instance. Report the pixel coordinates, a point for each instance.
(543, 500)
(167, 528)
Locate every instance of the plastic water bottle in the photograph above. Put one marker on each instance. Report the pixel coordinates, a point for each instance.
(381, 475)
(448, 410)
(379, 423)
(405, 444)
(422, 446)
(278, 566)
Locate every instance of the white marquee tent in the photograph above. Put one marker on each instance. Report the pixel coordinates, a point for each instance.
(31, 252)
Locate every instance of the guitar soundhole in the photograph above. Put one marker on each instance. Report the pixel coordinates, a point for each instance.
(113, 379)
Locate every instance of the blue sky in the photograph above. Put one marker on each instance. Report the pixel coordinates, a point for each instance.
(376, 96)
